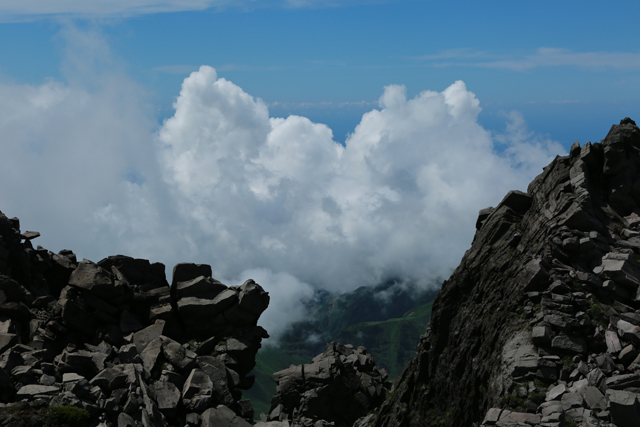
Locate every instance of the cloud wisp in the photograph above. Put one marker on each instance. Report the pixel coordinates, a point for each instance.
(30, 10)
(541, 58)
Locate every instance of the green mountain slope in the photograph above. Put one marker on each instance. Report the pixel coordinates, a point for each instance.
(269, 360)
(387, 319)
(391, 342)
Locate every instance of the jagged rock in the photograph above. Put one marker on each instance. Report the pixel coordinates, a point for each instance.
(142, 338)
(594, 398)
(628, 332)
(217, 373)
(31, 390)
(110, 379)
(341, 385)
(150, 354)
(177, 355)
(541, 335)
(7, 341)
(569, 344)
(202, 286)
(92, 278)
(628, 355)
(125, 420)
(183, 272)
(167, 395)
(613, 343)
(222, 417)
(624, 408)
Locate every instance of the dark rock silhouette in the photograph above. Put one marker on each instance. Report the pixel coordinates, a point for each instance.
(114, 339)
(338, 387)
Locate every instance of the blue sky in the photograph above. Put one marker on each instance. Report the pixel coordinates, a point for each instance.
(305, 144)
(572, 68)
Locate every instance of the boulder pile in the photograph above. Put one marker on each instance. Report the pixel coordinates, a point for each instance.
(338, 387)
(540, 323)
(114, 339)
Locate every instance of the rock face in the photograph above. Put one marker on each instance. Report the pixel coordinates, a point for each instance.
(338, 387)
(115, 339)
(540, 323)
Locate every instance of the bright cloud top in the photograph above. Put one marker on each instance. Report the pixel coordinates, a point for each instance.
(399, 199)
(275, 199)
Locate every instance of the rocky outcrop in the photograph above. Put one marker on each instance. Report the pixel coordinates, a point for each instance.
(338, 387)
(540, 323)
(114, 339)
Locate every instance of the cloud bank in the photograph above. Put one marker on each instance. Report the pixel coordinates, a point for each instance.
(275, 199)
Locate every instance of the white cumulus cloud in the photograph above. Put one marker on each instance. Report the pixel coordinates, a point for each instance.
(399, 199)
(275, 199)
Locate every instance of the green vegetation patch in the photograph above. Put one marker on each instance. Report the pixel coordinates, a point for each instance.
(66, 416)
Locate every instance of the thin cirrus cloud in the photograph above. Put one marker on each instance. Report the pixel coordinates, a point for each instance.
(28, 10)
(224, 182)
(542, 57)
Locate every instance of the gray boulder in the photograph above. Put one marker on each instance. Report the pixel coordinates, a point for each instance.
(222, 416)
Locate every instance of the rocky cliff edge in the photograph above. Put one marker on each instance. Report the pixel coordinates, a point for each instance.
(540, 322)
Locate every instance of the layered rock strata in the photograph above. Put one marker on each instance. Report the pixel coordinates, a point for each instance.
(114, 339)
(540, 323)
(338, 387)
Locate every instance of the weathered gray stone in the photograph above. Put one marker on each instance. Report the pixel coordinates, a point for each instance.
(628, 331)
(149, 355)
(126, 420)
(541, 335)
(535, 276)
(217, 373)
(570, 344)
(184, 271)
(519, 417)
(556, 392)
(633, 318)
(179, 356)
(197, 390)
(519, 355)
(110, 379)
(7, 341)
(621, 269)
(624, 408)
(199, 286)
(492, 416)
(31, 390)
(628, 355)
(222, 417)
(596, 377)
(66, 398)
(167, 396)
(253, 298)
(142, 338)
(128, 353)
(613, 342)
(621, 382)
(90, 277)
(594, 398)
